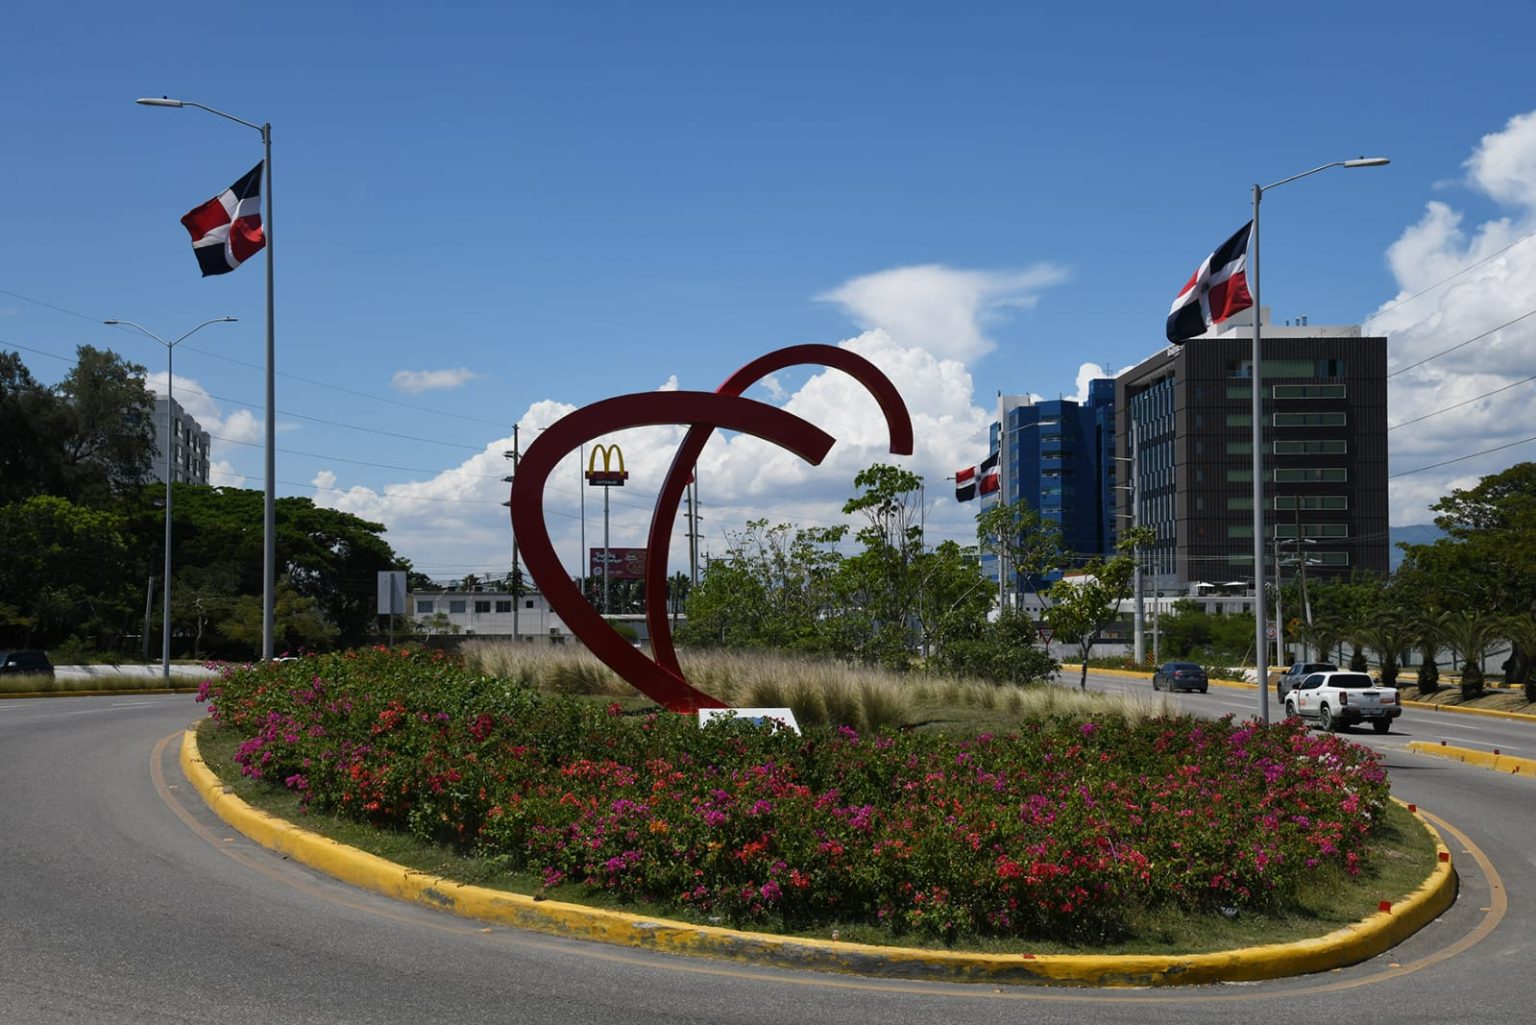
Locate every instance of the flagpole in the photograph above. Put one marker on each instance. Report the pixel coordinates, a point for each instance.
(1261, 671)
(269, 498)
(1261, 643)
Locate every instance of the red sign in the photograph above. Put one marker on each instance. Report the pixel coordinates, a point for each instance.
(623, 563)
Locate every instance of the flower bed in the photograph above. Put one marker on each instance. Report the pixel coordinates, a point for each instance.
(1062, 830)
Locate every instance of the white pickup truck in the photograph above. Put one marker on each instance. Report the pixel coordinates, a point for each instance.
(1340, 699)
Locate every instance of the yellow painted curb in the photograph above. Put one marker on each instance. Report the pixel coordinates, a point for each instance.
(1348, 945)
(1487, 759)
(1462, 710)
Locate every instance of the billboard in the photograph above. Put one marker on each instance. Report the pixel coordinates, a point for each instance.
(623, 563)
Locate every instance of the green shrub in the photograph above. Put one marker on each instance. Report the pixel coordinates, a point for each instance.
(1061, 831)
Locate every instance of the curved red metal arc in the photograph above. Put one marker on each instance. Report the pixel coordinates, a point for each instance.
(898, 423)
(664, 685)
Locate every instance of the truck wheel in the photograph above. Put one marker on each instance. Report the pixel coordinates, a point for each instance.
(1381, 725)
(1326, 720)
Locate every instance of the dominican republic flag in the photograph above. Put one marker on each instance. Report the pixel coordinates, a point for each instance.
(970, 481)
(226, 230)
(990, 481)
(965, 484)
(1215, 292)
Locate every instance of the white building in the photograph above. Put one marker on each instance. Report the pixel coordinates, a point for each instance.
(486, 613)
(190, 454)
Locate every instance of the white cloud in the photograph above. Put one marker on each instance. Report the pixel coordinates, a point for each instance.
(416, 381)
(1086, 374)
(941, 309)
(453, 523)
(240, 429)
(1474, 336)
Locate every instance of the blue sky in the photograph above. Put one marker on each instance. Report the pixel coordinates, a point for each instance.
(494, 213)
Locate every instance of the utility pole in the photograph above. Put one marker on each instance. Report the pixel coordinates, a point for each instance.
(1141, 628)
(693, 529)
(512, 583)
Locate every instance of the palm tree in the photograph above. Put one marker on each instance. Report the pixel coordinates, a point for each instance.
(1428, 630)
(1389, 633)
(1472, 636)
(1522, 636)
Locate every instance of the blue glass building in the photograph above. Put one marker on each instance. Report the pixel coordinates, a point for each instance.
(1057, 456)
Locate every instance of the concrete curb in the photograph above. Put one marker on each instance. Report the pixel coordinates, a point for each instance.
(1487, 759)
(1348, 945)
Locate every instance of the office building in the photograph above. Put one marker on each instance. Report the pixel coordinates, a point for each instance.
(189, 448)
(1187, 414)
(1055, 456)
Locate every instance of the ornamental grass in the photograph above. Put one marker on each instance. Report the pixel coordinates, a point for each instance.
(1066, 829)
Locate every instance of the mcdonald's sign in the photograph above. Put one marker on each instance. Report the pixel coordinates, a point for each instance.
(607, 477)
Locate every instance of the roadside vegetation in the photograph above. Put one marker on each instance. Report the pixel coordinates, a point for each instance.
(1066, 824)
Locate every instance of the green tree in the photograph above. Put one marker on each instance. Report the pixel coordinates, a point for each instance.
(1006, 650)
(1486, 562)
(881, 580)
(1081, 607)
(1017, 535)
(67, 571)
(1472, 636)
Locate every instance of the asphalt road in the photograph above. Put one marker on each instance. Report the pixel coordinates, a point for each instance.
(123, 900)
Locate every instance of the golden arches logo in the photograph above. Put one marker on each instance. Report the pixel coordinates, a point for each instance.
(607, 477)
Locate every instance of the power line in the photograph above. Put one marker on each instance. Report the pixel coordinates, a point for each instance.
(1458, 459)
(1458, 345)
(1452, 277)
(1458, 405)
(288, 376)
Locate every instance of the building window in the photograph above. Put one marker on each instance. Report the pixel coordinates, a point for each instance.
(1310, 391)
(1328, 530)
(503, 606)
(1239, 530)
(482, 606)
(528, 604)
(1327, 447)
(1239, 419)
(1235, 504)
(1312, 475)
(1238, 476)
(1239, 448)
(1330, 502)
(457, 607)
(1310, 419)
(1330, 558)
(423, 607)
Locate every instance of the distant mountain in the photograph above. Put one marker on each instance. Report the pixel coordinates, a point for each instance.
(1413, 534)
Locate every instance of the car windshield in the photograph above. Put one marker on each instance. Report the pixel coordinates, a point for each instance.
(1351, 681)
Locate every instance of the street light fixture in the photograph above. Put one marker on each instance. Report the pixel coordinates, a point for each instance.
(269, 511)
(1261, 669)
(170, 469)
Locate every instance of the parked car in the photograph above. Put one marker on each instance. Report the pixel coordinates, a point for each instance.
(14, 663)
(1335, 700)
(1295, 673)
(1180, 676)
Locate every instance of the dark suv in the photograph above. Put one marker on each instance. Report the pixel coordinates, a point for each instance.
(1180, 676)
(13, 663)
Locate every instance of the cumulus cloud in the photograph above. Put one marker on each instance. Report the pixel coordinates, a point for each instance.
(455, 518)
(1087, 373)
(1461, 331)
(941, 309)
(237, 430)
(413, 382)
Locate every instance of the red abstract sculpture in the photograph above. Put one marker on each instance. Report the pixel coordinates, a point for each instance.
(662, 680)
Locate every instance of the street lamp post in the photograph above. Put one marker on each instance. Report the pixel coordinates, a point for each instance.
(170, 468)
(1260, 641)
(269, 511)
